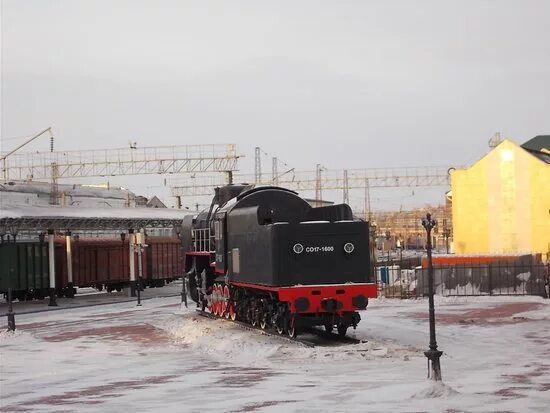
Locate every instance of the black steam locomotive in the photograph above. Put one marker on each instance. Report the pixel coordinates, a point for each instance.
(265, 256)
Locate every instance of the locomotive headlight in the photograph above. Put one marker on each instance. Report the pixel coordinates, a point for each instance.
(298, 248)
(349, 247)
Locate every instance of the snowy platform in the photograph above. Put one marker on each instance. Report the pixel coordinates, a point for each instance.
(160, 357)
(89, 297)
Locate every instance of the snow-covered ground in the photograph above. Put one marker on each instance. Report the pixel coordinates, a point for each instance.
(160, 357)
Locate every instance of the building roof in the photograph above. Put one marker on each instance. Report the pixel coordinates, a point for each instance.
(155, 203)
(53, 217)
(539, 146)
(540, 143)
(36, 187)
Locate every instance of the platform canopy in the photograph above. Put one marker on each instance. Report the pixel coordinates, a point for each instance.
(62, 218)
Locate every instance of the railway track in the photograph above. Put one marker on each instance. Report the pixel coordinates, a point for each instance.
(320, 337)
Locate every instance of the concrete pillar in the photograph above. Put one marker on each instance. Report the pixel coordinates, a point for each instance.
(51, 253)
(68, 244)
(132, 263)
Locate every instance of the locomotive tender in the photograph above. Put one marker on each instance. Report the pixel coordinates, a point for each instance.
(265, 256)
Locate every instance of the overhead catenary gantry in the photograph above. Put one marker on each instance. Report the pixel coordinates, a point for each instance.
(121, 161)
(323, 179)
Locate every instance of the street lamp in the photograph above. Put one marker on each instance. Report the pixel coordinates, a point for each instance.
(139, 247)
(433, 354)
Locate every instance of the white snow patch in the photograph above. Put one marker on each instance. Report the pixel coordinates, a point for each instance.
(436, 389)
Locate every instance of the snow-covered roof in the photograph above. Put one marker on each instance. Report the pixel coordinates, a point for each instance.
(35, 187)
(53, 217)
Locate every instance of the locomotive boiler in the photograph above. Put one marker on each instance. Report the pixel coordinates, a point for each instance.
(265, 256)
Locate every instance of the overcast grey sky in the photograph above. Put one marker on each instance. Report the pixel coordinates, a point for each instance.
(343, 83)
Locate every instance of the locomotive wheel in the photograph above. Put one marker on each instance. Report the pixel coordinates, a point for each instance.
(253, 314)
(193, 285)
(210, 302)
(342, 330)
(292, 332)
(265, 316)
(329, 328)
(225, 302)
(263, 323)
(217, 302)
(221, 300)
(281, 319)
(216, 293)
(232, 312)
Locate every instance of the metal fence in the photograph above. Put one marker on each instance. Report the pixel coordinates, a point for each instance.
(468, 280)
(403, 263)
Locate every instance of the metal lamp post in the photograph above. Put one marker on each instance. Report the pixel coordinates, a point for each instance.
(433, 354)
(140, 246)
(140, 272)
(183, 277)
(10, 314)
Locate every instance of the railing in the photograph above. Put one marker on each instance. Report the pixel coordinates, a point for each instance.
(202, 240)
(497, 279)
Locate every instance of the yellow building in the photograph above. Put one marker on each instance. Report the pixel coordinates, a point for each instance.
(501, 204)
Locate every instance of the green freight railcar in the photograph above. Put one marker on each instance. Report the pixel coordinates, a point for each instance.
(24, 267)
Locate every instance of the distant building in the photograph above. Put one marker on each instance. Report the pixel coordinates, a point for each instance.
(141, 201)
(403, 229)
(155, 203)
(501, 204)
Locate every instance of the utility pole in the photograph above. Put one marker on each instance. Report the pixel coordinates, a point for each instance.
(54, 190)
(3, 158)
(346, 187)
(274, 172)
(257, 166)
(318, 187)
(367, 200)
